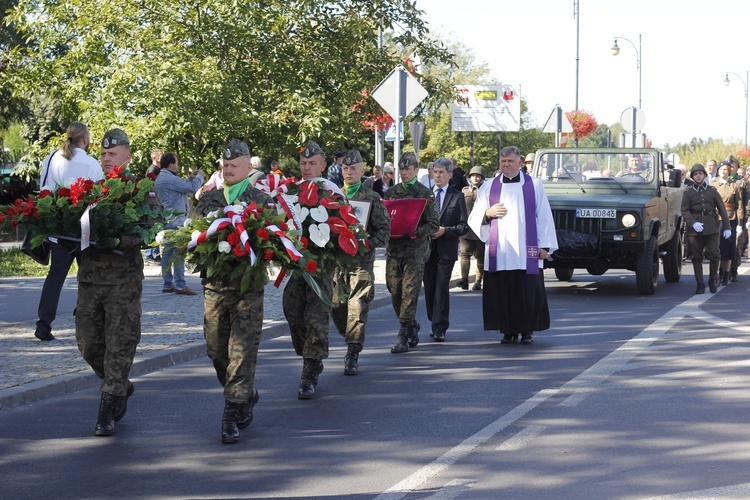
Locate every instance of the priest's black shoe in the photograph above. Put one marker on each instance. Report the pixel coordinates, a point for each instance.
(509, 339)
(439, 336)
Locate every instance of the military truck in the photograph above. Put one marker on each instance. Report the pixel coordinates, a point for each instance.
(613, 209)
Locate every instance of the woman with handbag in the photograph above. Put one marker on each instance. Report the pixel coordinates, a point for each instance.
(62, 168)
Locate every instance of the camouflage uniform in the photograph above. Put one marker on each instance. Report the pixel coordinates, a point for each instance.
(405, 257)
(232, 322)
(355, 289)
(108, 312)
(307, 315)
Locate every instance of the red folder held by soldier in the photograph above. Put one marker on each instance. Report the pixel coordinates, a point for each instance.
(405, 214)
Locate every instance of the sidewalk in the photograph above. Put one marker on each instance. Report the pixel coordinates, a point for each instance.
(172, 332)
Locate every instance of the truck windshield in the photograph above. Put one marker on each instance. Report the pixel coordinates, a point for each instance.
(594, 168)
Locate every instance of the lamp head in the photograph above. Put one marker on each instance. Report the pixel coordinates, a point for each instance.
(615, 49)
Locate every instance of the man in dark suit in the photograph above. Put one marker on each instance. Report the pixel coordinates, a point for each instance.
(444, 251)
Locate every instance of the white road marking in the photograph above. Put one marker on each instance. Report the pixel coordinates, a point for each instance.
(522, 438)
(580, 386)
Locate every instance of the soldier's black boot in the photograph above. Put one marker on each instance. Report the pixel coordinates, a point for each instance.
(351, 361)
(246, 411)
(311, 368)
(401, 344)
(734, 276)
(698, 271)
(724, 277)
(230, 432)
(122, 404)
(412, 333)
(105, 424)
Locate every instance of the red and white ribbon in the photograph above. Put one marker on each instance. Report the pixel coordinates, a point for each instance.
(235, 220)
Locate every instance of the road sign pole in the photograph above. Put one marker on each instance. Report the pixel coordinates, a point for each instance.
(401, 93)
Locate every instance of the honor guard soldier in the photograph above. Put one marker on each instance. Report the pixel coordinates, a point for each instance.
(354, 289)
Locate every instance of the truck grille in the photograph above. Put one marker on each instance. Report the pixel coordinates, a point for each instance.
(566, 219)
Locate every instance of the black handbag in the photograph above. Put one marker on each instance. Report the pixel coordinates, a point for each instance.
(39, 253)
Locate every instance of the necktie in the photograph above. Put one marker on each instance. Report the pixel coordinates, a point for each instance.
(437, 198)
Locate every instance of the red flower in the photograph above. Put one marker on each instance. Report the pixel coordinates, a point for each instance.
(239, 251)
(329, 203)
(233, 239)
(305, 242)
(151, 176)
(583, 123)
(348, 242)
(44, 193)
(268, 254)
(63, 192)
(115, 173)
(262, 234)
(309, 194)
(348, 215)
(338, 226)
(283, 226)
(311, 266)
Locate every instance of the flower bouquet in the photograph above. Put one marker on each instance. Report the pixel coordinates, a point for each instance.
(328, 226)
(97, 213)
(239, 244)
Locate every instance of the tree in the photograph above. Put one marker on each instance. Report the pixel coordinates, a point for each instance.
(186, 76)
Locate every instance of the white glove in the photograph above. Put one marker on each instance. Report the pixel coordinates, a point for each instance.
(739, 230)
(698, 226)
(747, 224)
(727, 233)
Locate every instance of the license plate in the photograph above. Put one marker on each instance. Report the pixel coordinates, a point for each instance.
(596, 213)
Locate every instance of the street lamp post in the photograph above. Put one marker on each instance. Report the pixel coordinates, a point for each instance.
(638, 53)
(745, 83)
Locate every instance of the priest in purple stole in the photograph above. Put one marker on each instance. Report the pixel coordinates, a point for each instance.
(513, 218)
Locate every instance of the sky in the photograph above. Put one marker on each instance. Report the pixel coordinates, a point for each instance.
(686, 48)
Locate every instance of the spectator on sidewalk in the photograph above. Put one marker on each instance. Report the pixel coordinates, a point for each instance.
(334, 173)
(152, 254)
(216, 181)
(62, 168)
(173, 195)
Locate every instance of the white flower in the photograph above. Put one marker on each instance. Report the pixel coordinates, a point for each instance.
(237, 208)
(159, 237)
(187, 222)
(194, 235)
(213, 215)
(224, 247)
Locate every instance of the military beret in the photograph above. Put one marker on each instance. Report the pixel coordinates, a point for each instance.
(338, 154)
(234, 149)
(407, 160)
(311, 149)
(115, 137)
(352, 157)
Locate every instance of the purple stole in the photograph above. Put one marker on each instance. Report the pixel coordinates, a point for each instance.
(529, 205)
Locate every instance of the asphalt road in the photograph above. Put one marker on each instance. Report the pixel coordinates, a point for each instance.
(625, 397)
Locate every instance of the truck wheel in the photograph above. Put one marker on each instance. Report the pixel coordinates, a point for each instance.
(564, 273)
(673, 259)
(647, 268)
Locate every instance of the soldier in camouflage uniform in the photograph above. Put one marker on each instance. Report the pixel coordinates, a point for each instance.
(306, 314)
(354, 289)
(233, 321)
(108, 315)
(405, 257)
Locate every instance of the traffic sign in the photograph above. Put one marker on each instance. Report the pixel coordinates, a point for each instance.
(390, 133)
(399, 93)
(633, 119)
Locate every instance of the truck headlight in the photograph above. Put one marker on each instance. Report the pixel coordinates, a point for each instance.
(628, 220)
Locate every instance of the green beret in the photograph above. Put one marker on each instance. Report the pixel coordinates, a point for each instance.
(352, 157)
(407, 160)
(115, 137)
(234, 149)
(311, 149)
